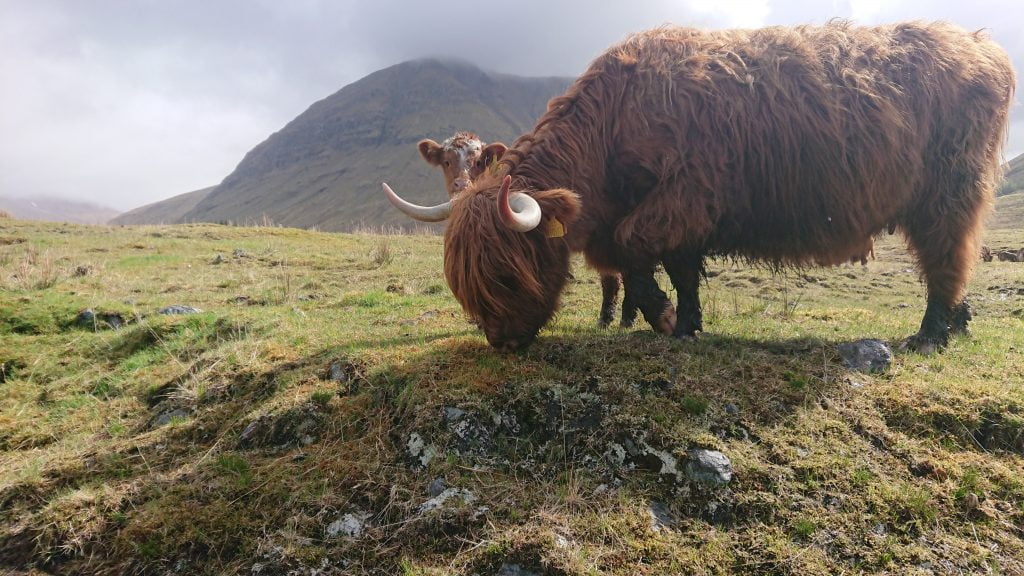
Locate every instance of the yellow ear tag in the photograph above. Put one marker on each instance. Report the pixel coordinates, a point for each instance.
(555, 228)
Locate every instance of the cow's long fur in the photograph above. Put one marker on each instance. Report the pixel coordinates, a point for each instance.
(779, 145)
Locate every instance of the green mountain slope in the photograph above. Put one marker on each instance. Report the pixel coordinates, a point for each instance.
(1013, 179)
(1009, 212)
(165, 211)
(325, 167)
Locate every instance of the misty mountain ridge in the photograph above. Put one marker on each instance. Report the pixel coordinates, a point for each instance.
(52, 209)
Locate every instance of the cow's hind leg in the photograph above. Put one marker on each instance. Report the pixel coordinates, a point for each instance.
(642, 292)
(944, 236)
(685, 270)
(609, 298)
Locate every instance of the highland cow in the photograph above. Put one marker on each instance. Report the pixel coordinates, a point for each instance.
(463, 157)
(783, 146)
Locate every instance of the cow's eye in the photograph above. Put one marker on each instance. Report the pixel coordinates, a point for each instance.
(447, 164)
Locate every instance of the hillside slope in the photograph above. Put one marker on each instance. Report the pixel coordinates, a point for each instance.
(167, 211)
(1008, 212)
(325, 167)
(1013, 179)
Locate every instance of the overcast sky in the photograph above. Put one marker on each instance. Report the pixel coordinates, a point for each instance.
(132, 101)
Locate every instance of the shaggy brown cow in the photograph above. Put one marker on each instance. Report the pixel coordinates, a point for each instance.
(463, 158)
(779, 145)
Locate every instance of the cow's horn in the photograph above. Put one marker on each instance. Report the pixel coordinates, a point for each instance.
(520, 212)
(416, 212)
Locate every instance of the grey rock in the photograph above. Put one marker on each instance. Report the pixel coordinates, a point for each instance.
(164, 418)
(709, 467)
(868, 356)
(350, 525)
(337, 372)
(239, 253)
(661, 518)
(422, 452)
(732, 409)
(86, 318)
(436, 487)
(513, 570)
(113, 319)
(439, 501)
(451, 414)
(218, 259)
(179, 309)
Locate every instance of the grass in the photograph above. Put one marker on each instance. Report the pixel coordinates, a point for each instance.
(230, 440)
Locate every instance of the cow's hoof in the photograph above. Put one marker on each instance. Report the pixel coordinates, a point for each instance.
(627, 322)
(921, 344)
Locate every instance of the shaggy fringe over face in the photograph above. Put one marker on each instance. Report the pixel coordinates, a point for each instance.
(507, 281)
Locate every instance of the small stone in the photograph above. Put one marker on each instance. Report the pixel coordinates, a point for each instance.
(709, 467)
(879, 529)
(86, 318)
(337, 372)
(868, 356)
(438, 501)
(661, 518)
(239, 253)
(513, 570)
(420, 450)
(82, 271)
(249, 431)
(971, 502)
(178, 309)
(165, 418)
(451, 414)
(218, 259)
(436, 487)
(350, 525)
(113, 319)
(732, 409)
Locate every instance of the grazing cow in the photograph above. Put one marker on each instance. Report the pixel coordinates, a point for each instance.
(777, 145)
(1009, 255)
(463, 158)
(861, 254)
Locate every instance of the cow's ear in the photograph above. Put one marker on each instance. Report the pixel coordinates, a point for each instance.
(431, 151)
(559, 205)
(491, 154)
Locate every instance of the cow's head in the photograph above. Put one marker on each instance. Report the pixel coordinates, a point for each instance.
(505, 258)
(462, 158)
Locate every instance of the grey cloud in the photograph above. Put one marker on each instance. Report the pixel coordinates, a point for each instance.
(127, 102)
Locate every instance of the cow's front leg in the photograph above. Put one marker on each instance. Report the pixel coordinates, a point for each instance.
(642, 292)
(686, 269)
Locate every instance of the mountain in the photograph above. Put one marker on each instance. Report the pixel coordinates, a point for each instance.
(57, 210)
(325, 167)
(1013, 178)
(169, 211)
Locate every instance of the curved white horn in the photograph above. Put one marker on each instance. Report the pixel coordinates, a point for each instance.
(422, 213)
(520, 212)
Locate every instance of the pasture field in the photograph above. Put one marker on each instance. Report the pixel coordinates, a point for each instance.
(331, 411)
